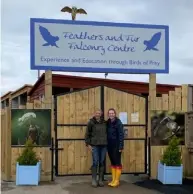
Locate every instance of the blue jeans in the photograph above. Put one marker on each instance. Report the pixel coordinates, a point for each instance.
(98, 155)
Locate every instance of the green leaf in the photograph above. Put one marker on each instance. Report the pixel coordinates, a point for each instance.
(28, 156)
(172, 154)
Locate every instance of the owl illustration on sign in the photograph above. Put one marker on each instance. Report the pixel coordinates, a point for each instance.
(153, 42)
(46, 35)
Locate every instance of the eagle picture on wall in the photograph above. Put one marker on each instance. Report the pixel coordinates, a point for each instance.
(74, 11)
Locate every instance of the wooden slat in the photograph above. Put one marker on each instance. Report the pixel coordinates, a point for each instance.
(3, 145)
(165, 102)
(152, 91)
(22, 106)
(188, 157)
(178, 99)
(29, 106)
(159, 102)
(151, 99)
(184, 98)
(7, 144)
(48, 87)
(171, 100)
(37, 104)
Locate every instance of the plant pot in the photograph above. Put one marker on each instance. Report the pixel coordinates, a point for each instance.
(170, 174)
(28, 175)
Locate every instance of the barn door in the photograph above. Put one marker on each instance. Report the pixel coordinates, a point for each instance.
(133, 109)
(73, 112)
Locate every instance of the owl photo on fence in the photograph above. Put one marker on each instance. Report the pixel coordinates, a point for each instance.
(28, 120)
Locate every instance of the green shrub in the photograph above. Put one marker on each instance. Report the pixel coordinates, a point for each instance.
(28, 156)
(172, 154)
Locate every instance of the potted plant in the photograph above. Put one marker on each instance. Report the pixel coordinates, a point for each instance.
(170, 168)
(28, 166)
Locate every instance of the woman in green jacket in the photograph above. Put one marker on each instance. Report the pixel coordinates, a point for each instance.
(96, 141)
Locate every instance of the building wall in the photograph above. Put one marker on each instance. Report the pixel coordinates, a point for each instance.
(15, 103)
(82, 83)
(3, 104)
(23, 99)
(38, 92)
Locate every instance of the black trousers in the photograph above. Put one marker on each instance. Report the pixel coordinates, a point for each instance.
(114, 156)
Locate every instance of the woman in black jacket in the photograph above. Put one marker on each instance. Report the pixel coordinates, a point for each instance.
(115, 145)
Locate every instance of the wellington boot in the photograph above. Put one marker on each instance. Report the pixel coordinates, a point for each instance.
(117, 178)
(94, 177)
(113, 171)
(101, 176)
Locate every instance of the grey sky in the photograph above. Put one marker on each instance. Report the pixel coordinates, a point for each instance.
(178, 14)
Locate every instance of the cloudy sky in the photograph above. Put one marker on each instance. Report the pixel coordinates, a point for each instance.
(15, 15)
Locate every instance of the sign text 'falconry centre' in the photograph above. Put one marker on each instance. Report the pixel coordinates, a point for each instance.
(103, 47)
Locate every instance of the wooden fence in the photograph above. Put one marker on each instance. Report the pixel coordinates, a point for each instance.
(175, 101)
(5, 144)
(10, 154)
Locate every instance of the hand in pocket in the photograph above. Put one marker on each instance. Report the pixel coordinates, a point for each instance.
(90, 148)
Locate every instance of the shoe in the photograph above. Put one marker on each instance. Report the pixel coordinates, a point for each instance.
(113, 171)
(94, 177)
(101, 176)
(117, 178)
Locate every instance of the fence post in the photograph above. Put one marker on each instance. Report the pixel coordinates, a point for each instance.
(7, 140)
(151, 106)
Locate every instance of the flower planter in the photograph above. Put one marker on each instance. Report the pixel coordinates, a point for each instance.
(170, 174)
(28, 175)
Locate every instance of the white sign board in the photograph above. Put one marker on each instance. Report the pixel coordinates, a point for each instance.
(83, 46)
(123, 117)
(135, 117)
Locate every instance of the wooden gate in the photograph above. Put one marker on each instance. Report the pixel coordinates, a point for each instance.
(73, 111)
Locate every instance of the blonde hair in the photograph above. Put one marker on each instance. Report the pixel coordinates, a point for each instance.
(98, 109)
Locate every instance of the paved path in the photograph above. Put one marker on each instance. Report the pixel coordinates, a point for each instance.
(77, 185)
